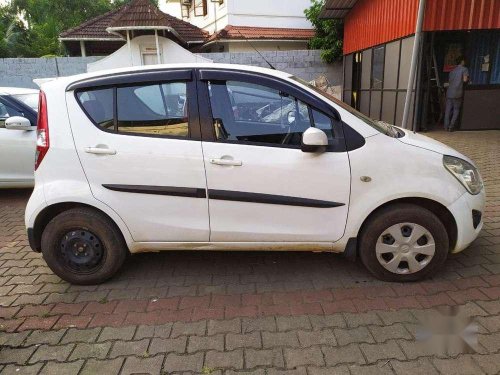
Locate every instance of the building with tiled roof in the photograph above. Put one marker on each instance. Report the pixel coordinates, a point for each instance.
(199, 25)
(268, 25)
(104, 34)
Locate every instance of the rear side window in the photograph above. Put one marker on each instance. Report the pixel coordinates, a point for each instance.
(153, 109)
(99, 106)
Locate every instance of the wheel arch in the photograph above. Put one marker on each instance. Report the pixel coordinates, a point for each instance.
(49, 212)
(443, 214)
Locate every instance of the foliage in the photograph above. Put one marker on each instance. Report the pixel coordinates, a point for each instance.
(329, 33)
(30, 28)
(14, 39)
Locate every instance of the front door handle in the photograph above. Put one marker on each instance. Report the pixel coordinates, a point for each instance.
(99, 151)
(230, 162)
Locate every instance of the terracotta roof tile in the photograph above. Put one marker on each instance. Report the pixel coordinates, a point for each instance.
(263, 33)
(93, 28)
(135, 14)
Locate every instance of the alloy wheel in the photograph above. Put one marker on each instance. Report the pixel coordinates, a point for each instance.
(405, 248)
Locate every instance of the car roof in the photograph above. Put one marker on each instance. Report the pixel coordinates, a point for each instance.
(17, 91)
(66, 81)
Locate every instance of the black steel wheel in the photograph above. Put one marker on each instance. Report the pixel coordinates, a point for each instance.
(83, 246)
(82, 251)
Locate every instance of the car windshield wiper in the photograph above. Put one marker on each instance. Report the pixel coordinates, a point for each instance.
(389, 129)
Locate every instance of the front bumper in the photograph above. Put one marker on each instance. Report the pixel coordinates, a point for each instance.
(467, 226)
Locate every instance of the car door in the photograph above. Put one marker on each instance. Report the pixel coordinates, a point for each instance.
(261, 186)
(17, 148)
(138, 140)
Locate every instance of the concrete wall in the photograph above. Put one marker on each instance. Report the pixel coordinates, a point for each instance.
(21, 72)
(304, 64)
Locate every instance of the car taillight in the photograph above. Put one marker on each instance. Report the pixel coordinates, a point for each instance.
(42, 130)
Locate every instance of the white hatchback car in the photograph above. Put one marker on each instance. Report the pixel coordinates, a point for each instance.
(227, 157)
(18, 112)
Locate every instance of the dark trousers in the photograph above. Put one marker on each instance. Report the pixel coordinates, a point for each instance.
(452, 112)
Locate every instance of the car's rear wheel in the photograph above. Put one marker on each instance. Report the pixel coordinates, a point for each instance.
(83, 246)
(403, 242)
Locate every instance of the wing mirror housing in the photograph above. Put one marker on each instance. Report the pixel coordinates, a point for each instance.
(18, 123)
(314, 140)
(291, 117)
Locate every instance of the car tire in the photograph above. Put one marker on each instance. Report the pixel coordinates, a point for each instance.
(389, 247)
(83, 246)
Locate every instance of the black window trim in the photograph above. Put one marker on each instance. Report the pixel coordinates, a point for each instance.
(194, 132)
(210, 74)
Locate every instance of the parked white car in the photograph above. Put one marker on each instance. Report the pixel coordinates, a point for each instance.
(227, 157)
(18, 112)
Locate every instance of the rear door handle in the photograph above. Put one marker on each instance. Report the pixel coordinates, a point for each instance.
(234, 163)
(99, 151)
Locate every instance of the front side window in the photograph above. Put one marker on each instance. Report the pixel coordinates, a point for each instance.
(153, 109)
(248, 112)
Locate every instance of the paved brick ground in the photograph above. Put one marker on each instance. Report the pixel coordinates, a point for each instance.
(251, 313)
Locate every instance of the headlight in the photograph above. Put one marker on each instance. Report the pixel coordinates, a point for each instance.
(464, 172)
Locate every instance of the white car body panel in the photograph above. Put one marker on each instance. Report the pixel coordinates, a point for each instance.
(277, 171)
(150, 161)
(411, 166)
(17, 150)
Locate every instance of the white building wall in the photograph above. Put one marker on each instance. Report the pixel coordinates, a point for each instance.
(266, 13)
(171, 53)
(258, 13)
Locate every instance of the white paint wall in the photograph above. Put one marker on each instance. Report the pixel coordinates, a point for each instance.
(265, 46)
(171, 53)
(258, 13)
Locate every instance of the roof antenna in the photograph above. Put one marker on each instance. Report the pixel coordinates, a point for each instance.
(256, 50)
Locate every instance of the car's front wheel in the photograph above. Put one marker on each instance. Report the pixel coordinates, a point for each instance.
(403, 242)
(83, 246)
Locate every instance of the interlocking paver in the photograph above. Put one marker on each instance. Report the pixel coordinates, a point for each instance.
(21, 370)
(179, 363)
(303, 357)
(461, 365)
(135, 365)
(197, 343)
(346, 354)
(275, 339)
(311, 338)
(129, 348)
(122, 333)
(45, 337)
(57, 368)
(109, 366)
(96, 350)
(16, 355)
(245, 340)
(357, 335)
(264, 357)
(230, 359)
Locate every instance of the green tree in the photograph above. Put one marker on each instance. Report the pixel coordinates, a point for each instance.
(46, 19)
(14, 38)
(329, 33)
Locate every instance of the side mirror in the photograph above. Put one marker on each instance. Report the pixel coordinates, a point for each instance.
(18, 123)
(314, 140)
(291, 117)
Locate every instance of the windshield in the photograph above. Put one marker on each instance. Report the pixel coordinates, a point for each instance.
(31, 100)
(381, 126)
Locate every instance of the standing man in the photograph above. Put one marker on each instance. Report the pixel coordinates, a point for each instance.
(458, 77)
